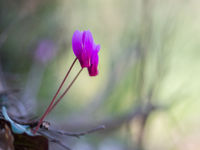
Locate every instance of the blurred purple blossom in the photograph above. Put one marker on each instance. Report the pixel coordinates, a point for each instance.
(86, 50)
(45, 51)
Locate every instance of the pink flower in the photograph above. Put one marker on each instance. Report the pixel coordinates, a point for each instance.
(86, 51)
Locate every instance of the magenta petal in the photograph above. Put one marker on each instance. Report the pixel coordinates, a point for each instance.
(97, 48)
(95, 58)
(84, 60)
(93, 69)
(77, 43)
(83, 36)
(88, 42)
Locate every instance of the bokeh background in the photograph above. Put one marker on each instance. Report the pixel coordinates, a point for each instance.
(148, 88)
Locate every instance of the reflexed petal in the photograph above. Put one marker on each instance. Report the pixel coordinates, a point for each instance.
(88, 42)
(95, 58)
(83, 36)
(77, 43)
(93, 69)
(84, 60)
(97, 48)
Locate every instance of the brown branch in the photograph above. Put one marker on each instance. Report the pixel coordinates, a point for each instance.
(52, 139)
(111, 124)
(78, 134)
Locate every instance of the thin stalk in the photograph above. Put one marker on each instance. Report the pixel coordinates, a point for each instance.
(67, 89)
(50, 105)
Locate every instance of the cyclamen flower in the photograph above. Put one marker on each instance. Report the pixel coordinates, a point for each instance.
(86, 51)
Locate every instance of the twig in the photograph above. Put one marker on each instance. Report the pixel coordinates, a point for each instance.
(112, 123)
(52, 139)
(78, 134)
(9, 91)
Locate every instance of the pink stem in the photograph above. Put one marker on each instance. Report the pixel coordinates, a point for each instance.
(67, 89)
(49, 107)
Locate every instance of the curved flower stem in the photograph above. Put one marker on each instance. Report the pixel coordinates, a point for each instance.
(49, 107)
(67, 89)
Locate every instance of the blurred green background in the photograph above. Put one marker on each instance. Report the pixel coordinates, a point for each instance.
(147, 91)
